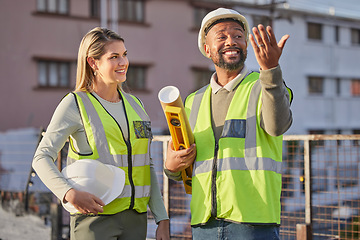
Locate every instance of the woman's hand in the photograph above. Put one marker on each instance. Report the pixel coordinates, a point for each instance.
(177, 161)
(163, 230)
(84, 202)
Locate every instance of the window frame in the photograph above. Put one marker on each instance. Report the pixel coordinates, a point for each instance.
(355, 87)
(199, 12)
(314, 34)
(355, 36)
(58, 63)
(356, 142)
(130, 78)
(123, 11)
(337, 34)
(95, 10)
(205, 79)
(315, 89)
(57, 10)
(261, 19)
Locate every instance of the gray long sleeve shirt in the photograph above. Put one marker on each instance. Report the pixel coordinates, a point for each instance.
(66, 122)
(276, 116)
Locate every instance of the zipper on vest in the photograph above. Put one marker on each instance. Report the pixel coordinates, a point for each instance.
(130, 165)
(132, 202)
(129, 149)
(213, 183)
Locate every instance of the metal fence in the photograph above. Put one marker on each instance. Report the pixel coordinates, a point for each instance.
(321, 188)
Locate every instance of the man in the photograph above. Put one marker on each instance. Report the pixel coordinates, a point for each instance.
(238, 121)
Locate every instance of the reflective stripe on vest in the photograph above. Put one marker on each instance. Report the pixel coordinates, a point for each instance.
(240, 173)
(135, 160)
(251, 161)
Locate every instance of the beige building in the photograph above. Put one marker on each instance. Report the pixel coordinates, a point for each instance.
(40, 40)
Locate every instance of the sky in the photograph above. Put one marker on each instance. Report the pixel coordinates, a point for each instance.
(340, 8)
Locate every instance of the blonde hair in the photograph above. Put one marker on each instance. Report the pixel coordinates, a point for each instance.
(92, 45)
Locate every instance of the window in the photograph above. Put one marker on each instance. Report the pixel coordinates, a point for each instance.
(355, 87)
(53, 6)
(337, 36)
(201, 76)
(136, 78)
(54, 74)
(338, 86)
(314, 31)
(199, 14)
(95, 8)
(131, 10)
(355, 36)
(315, 85)
(264, 20)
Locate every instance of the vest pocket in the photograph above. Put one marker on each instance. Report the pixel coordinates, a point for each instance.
(235, 128)
(142, 129)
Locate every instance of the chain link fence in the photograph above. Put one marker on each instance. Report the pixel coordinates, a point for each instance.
(321, 189)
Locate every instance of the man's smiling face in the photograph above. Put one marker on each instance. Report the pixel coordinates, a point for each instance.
(226, 45)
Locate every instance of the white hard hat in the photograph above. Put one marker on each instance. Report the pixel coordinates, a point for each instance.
(220, 13)
(103, 180)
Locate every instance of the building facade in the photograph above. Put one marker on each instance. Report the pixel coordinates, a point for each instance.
(40, 40)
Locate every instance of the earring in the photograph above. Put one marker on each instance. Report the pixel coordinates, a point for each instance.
(95, 73)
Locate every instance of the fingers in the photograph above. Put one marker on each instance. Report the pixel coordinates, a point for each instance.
(98, 207)
(95, 209)
(261, 36)
(267, 50)
(95, 204)
(253, 43)
(271, 36)
(257, 37)
(171, 145)
(178, 160)
(87, 203)
(266, 37)
(163, 230)
(282, 41)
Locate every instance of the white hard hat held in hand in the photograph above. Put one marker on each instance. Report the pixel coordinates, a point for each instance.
(102, 180)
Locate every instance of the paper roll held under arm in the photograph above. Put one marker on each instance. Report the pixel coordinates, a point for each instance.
(179, 126)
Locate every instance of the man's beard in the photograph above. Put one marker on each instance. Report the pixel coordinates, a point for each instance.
(221, 63)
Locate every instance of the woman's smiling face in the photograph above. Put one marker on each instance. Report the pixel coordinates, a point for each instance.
(113, 65)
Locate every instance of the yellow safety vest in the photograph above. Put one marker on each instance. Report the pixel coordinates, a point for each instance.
(238, 178)
(108, 145)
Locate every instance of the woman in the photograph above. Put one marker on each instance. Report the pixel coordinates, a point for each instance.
(98, 105)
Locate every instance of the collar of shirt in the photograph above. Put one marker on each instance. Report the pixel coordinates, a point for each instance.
(230, 85)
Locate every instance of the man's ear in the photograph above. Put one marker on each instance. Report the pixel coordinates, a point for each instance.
(207, 50)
